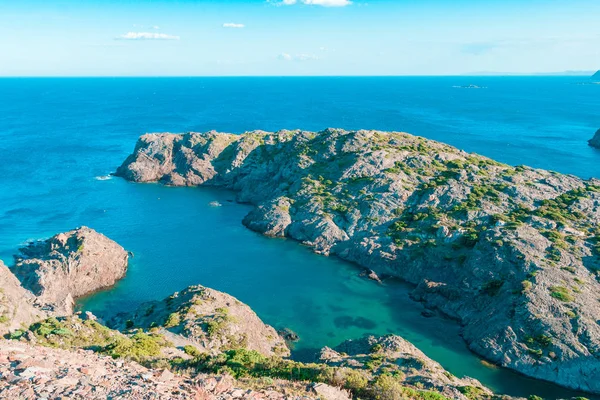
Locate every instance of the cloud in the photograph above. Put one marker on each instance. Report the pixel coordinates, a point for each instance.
(323, 3)
(297, 57)
(233, 25)
(146, 36)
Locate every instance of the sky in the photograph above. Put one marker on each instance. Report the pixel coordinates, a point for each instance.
(296, 37)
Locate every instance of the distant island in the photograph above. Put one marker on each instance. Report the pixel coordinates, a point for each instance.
(558, 73)
(596, 76)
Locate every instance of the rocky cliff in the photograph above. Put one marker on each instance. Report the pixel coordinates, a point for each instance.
(210, 320)
(510, 252)
(18, 306)
(595, 141)
(70, 265)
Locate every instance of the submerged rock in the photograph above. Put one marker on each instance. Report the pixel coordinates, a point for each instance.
(510, 252)
(70, 265)
(210, 320)
(288, 335)
(595, 141)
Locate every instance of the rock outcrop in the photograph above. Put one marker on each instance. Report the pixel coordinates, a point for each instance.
(17, 305)
(210, 320)
(36, 372)
(595, 141)
(70, 265)
(393, 353)
(510, 252)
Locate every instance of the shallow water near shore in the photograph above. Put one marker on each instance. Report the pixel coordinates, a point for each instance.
(60, 139)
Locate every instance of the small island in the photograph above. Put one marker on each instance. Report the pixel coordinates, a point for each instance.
(596, 77)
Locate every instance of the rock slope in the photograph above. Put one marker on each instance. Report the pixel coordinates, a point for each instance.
(70, 265)
(595, 141)
(510, 252)
(36, 372)
(18, 306)
(393, 353)
(210, 320)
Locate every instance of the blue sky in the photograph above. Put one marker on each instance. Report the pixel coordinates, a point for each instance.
(296, 37)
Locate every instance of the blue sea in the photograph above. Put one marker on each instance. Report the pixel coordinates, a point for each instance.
(61, 138)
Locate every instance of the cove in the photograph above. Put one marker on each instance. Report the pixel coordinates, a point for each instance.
(323, 299)
(58, 135)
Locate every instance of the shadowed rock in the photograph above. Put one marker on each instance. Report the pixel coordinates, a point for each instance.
(595, 141)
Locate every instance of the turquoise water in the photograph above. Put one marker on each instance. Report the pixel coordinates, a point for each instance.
(60, 137)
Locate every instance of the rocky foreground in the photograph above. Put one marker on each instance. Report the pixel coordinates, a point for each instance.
(510, 252)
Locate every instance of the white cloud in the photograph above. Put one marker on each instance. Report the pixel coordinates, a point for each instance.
(324, 3)
(233, 25)
(156, 27)
(146, 36)
(297, 57)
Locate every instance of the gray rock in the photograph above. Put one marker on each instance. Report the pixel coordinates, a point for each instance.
(70, 265)
(510, 252)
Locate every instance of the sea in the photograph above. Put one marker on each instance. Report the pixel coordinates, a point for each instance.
(61, 138)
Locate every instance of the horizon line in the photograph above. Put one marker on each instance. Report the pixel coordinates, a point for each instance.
(507, 74)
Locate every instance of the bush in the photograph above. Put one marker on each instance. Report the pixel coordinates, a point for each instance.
(561, 293)
(191, 350)
(139, 347)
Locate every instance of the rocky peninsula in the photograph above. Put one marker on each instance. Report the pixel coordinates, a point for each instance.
(512, 253)
(70, 265)
(595, 141)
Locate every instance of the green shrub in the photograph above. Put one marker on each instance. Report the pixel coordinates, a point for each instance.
(561, 293)
(191, 350)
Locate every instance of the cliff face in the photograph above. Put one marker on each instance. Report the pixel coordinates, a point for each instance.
(510, 252)
(70, 265)
(595, 141)
(17, 305)
(210, 320)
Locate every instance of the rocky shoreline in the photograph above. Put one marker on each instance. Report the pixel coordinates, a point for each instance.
(197, 343)
(510, 252)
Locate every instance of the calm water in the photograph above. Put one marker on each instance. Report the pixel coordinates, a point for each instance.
(59, 136)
